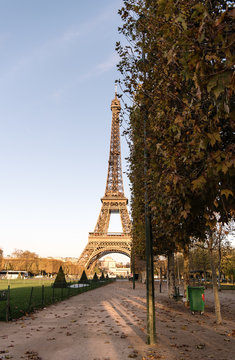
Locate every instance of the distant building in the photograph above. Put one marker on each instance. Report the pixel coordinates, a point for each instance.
(65, 259)
(72, 259)
(58, 258)
(112, 268)
(108, 263)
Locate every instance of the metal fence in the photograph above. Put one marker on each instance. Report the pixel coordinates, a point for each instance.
(21, 301)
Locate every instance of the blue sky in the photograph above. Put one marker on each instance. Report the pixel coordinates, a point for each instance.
(57, 74)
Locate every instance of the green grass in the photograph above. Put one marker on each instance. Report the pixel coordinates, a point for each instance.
(20, 292)
(222, 286)
(24, 283)
(227, 287)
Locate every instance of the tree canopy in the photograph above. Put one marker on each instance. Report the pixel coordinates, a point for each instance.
(178, 70)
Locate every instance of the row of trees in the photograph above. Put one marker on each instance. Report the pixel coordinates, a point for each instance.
(200, 260)
(199, 265)
(31, 262)
(177, 70)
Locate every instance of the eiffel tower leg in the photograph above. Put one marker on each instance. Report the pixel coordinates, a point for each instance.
(125, 220)
(85, 256)
(103, 220)
(93, 265)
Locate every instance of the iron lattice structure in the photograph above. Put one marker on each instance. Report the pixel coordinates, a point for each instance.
(101, 242)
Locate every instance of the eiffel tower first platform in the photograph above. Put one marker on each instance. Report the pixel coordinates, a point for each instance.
(101, 242)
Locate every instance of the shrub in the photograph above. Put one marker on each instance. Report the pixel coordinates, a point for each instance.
(83, 279)
(60, 279)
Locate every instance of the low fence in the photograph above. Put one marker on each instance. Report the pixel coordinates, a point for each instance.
(21, 301)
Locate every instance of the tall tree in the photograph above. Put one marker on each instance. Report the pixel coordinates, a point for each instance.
(24, 254)
(188, 91)
(186, 83)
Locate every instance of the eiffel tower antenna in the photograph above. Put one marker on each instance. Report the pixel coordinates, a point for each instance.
(101, 242)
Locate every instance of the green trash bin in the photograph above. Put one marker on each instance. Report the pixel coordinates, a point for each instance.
(196, 298)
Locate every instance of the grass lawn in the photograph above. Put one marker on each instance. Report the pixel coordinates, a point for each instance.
(24, 300)
(24, 283)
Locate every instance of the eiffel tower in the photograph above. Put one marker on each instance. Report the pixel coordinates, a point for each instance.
(101, 242)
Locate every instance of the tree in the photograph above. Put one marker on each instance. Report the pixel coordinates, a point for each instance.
(211, 245)
(214, 242)
(228, 264)
(190, 146)
(220, 240)
(210, 252)
(24, 254)
(27, 260)
(95, 277)
(102, 277)
(183, 87)
(199, 259)
(60, 280)
(83, 278)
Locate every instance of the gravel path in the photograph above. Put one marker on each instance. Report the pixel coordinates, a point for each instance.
(109, 323)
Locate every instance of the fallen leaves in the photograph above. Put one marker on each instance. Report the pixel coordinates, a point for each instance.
(232, 333)
(133, 354)
(33, 355)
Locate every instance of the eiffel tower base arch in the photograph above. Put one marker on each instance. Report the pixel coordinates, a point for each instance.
(100, 245)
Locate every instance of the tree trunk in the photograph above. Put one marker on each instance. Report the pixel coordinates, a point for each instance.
(214, 282)
(178, 268)
(160, 285)
(143, 277)
(205, 278)
(219, 265)
(186, 273)
(171, 275)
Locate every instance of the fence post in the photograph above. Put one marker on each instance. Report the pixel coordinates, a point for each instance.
(42, 296)
(8, 304)
(30, 299)
(160, 284)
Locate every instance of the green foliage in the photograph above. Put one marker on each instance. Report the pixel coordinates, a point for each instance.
(83, 278)
(20, 291)
(102, 277)
(177, 68)
(228, 264)
(199, 259)
(60, 280)
(95, 277)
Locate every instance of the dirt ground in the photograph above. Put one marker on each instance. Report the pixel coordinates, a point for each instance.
(109, 323)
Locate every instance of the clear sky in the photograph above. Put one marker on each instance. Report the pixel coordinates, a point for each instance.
(57, 74)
